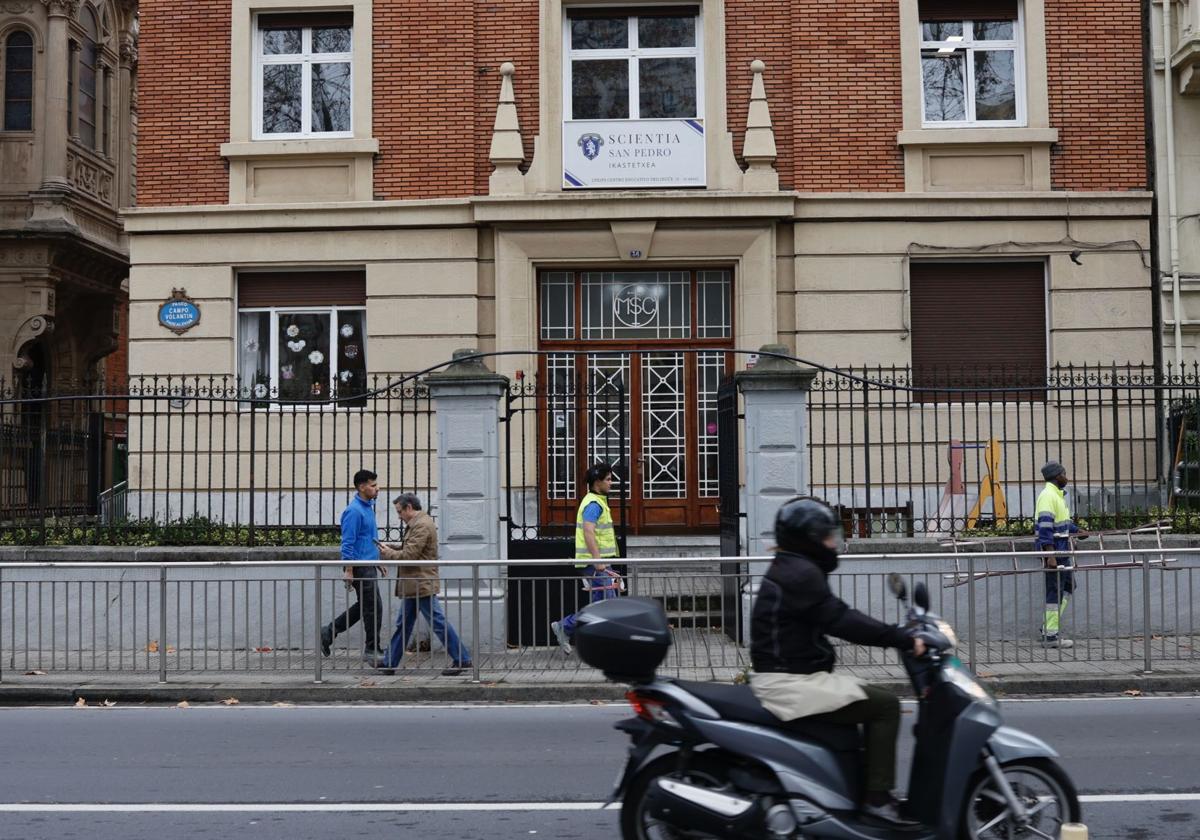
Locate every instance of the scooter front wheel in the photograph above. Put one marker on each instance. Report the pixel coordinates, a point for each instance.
(637, 823)
(1044, 790)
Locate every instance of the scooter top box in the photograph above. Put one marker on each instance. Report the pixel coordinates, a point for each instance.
(626, 638)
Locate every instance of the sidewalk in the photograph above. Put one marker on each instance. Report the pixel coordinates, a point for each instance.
(546, 675)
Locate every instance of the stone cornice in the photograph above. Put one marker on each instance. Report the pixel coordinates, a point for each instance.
(61, 8)
(603, 208)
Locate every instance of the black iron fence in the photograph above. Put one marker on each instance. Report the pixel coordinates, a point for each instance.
(943, 452)
(202, 461)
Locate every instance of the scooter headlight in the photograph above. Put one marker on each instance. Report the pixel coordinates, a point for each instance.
(946, 630)
(963, 681)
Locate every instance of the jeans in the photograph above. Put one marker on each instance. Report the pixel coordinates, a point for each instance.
(443, 630)
(602, 590)
(367, 607)
(881, 714)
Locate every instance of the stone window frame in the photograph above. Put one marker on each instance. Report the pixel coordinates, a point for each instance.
(6, 32)
(1032, 140)
(107, 58)
(722, 171)
(245, 153)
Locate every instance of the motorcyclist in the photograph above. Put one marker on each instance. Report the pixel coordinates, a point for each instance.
(792, 657)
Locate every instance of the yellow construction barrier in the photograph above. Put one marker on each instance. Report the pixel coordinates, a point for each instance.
(1074, 831)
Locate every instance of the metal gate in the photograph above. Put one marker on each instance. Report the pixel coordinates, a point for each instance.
(554, 429)
(733, 573)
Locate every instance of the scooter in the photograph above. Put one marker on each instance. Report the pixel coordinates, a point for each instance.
(708, 761)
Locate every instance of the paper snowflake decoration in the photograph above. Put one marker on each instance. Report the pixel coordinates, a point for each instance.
(316, 357)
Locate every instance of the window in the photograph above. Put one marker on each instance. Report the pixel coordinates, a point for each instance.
(972, 63)
(88, 71)
(18, 82)
(978, 325)
(639, 65)
(302, 336)
(303, 76)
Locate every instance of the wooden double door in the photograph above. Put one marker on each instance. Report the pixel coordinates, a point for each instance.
(648, 408)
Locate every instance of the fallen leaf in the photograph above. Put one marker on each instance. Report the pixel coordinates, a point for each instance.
(183, 704)
(263, 649)
(282, 705)
(152, 647)
(366, 683)
(170, 648)
(109, 703)
(80, 703)
(35, 673)
(1132, 692)
(230, 701)
(597, 703)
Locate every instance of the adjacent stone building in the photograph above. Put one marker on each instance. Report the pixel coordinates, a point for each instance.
(352, 189)
(66, 170)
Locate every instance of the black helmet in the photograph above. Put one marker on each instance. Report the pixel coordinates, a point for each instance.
(803, 523)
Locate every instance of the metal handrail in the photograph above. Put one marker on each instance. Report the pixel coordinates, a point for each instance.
(633, 561)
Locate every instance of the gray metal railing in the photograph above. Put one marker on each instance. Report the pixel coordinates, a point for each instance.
(1133, 609)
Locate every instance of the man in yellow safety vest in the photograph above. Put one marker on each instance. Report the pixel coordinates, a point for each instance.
(1054, 532)
(595, 546)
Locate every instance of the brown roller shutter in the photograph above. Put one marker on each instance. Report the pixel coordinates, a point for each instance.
(968, 10)
(296, 20)
(301, 288)
(978, 324)
(609, 12)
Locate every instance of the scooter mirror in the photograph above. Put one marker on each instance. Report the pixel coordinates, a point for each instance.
(896, 583)
(921, 596)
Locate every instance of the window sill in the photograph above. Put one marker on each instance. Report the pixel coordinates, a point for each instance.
(299, 148)
(977, 136)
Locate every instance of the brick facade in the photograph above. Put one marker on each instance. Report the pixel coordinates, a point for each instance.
(833, 81)
(183, 101)
(1094, 53)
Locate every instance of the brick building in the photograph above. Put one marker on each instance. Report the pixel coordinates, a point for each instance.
(937, 185)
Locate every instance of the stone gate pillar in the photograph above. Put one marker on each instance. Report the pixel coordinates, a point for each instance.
(466, 397)
(775, 401)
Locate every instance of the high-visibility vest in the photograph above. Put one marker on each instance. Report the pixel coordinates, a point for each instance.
(1054, 526)
(606, 536)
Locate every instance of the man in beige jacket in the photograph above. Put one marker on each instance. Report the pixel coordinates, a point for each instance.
(417, 586)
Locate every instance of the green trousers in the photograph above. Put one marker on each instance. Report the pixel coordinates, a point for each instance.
(880, 713)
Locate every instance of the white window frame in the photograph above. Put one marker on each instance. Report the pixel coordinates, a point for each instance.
(330, 351)
(633, 55)
(305, 58)
(969, 46)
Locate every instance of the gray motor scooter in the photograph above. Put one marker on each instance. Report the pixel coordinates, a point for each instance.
(707, 760)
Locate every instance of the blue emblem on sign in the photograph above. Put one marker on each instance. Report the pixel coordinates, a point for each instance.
(180, 313)
(590, 144)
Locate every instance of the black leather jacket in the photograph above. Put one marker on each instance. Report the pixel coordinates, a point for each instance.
(796, 609)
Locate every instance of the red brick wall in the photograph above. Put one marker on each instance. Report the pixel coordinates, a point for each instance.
(833, 81)
(1094, 61)
(183, 101)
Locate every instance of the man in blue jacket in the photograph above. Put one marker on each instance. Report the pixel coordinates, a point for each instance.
(360, 552)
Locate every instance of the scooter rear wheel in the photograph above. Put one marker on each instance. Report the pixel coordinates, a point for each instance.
(638, 824)
(1043, 787)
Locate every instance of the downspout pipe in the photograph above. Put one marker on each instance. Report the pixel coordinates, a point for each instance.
(1172, 198)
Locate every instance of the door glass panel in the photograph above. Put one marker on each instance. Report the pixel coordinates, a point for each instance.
(664, 433)
(561, 447)
(710, 368)
(633, 305)
(558, 306)
(608, 413)
(713, 299)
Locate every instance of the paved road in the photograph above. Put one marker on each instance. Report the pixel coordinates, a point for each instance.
(457, 772)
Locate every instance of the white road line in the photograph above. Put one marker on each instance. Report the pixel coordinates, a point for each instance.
(292, 807)
(376, 807)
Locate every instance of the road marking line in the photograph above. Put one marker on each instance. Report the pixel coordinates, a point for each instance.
(1101, 799)
(293, 807)
(350, 807)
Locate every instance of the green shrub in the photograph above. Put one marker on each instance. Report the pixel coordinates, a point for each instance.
(192, 531)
